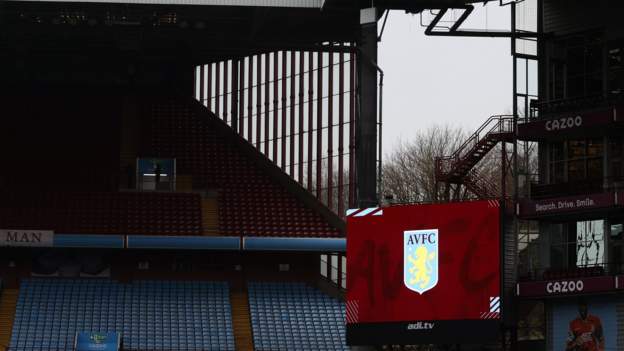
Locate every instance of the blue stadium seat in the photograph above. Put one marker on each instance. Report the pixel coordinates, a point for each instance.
(293, 316)
(151, 315)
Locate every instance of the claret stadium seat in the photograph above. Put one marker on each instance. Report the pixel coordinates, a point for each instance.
(136, 213)
(252, 200)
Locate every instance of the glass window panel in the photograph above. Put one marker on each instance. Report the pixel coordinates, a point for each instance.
(617, 230)
(615, 147)
(590, 243)
(556, 172)
(334, 268)
(344, 272)
(324, 265)
(594, 168)
(594, 148)
(576, 149)
(556, 152)
(576, 170)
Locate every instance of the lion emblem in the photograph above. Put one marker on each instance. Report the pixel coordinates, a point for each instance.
(420, 252)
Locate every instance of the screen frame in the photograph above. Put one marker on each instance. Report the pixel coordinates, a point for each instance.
(460, 331)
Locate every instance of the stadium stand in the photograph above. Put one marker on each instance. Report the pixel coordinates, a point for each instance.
(150, 213)
(151, 315)
(254, 198)
(293, 316)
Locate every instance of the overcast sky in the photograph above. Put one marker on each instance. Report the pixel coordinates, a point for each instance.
(443, 80)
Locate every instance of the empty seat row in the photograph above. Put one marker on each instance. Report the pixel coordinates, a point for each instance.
(251, 201)
(294, 316)
(103, 212)
(150, 315)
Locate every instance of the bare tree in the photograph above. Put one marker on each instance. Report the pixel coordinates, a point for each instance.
(409, 173)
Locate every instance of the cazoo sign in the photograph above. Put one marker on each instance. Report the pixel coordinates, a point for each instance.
(563, 123)
(566, 286)
(569, 286)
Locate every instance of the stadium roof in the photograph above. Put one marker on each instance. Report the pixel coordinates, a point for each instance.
(255, 3)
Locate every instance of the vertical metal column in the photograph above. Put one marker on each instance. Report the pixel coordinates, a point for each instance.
(310, 114)
(366, 129)
(209, 88)
(284, 110)
(275, 104)
(292, 113)
(241, 89)
(234, 96)
(250, 100)
(217, 93)
(225, 91)
(201, 85)
(267, 75)
(352, 124)
(258, 100)
(341, 72)
(319, 127)
(330, 129)
(301, 111)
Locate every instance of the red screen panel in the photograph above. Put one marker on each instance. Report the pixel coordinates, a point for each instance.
(421, 271)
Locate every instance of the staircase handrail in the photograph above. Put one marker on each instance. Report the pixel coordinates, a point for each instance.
(498, 127)
(503, 124)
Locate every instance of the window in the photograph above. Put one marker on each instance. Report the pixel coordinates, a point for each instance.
(334, 269)
(344, 272)
(589, 243)
(531, 321)
(577, 66)
(324, 265)
(615, 59)
(156, 174)
(616, 156)
(528, 248)
(577, 244)
(616, 246)
(557, 163)
(576, 160)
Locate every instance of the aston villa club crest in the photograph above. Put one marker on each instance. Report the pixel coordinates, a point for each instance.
(420, 259)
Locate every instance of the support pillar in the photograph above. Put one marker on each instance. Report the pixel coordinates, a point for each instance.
(366, 124)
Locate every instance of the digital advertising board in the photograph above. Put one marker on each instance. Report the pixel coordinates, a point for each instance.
(585, 324)
(420, 274)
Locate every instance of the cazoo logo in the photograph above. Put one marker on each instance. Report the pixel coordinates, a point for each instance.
(566, 286)
(564, 123)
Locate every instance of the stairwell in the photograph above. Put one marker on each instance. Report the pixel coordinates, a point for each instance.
(241, 320)
(210, 216)
(459, 167)
(8, 303)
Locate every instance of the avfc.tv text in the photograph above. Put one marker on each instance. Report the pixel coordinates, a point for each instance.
(424, 274)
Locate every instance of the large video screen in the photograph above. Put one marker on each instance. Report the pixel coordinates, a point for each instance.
(424, 274)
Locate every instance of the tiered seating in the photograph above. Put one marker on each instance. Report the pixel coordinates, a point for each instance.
(293, 316)
(66, 150)
(151, 315)
(103, 212)
(251, 202)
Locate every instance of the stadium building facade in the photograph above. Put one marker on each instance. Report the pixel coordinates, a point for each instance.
(571, 194)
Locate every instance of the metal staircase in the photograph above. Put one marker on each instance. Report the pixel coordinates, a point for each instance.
(459, 167)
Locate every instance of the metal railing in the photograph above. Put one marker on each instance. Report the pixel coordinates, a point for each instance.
(586, 186)
(497, 124)
(544, 109)
(579, 271)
